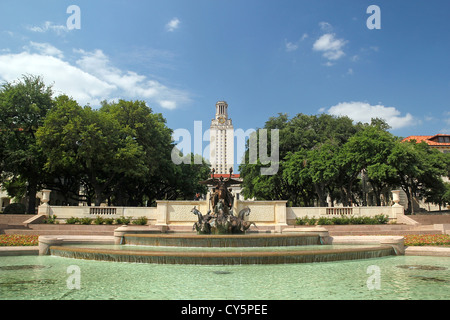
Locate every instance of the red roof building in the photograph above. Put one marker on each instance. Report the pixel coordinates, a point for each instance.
(438, 141)
(225, 175)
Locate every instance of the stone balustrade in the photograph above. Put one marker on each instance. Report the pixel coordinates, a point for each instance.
(263, 213)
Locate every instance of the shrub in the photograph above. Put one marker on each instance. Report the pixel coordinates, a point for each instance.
(15, 208)
(123, 220)
(301, 221)
(99, 220)
(72, 220)
(382, 219)
(108, 221)
(86, 220)
(142, 221)
(50, 220)
(312, 221)
(342, 220)
(324, 221)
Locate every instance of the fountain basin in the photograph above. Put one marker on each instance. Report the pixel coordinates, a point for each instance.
(300, 247)
(220, 241)
(223, 257)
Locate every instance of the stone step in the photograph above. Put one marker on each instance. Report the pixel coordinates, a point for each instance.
(14, 219)
(431, 219)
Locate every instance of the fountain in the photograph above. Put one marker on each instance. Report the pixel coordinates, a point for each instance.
(221, 220)
(221, 238)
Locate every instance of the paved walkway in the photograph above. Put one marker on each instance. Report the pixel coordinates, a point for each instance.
(19, 251)
(427, 251)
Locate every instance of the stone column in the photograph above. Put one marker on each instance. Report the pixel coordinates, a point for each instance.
(44, 208)
(397, 209)
(163, 218)
(396, 197)
(280, 215)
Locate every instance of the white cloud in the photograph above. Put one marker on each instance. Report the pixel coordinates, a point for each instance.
(46, 49)
(49, 26)
(325, 26)
(90, 80)
(291, 46)
(364, 112)
(330, 46)
(173, 24)
(66, 78)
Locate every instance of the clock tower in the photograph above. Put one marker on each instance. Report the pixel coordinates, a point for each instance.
(222, 140)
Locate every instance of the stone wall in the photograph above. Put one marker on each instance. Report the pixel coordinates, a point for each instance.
(263, 213)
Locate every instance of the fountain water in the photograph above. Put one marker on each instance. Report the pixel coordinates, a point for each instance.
(221, 239)
(223, 249)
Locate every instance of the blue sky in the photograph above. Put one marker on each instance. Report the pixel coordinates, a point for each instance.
(263, 57)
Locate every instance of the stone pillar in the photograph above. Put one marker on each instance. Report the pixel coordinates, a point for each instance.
(163, 218)
(397, 209)
(44, 208)
(396, 198)
(280, 215)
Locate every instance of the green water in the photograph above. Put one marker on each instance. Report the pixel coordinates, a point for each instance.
(401, 277)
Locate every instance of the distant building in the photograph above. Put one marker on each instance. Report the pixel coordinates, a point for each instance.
(221, 140)
(440, 142)
(222, 147)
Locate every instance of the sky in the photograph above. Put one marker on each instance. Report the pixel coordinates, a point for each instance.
(263, 57)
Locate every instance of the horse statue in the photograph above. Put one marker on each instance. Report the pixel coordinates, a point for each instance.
(221, 220)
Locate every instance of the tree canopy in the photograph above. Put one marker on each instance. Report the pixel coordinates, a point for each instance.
(118, 153)
(324, 157)
(24, 105)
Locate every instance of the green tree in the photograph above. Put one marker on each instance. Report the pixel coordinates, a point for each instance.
(366, 152)
(91, 145)
(418, 168)
(24, 105)
(323, 169)
(150, 132)
(305, 141)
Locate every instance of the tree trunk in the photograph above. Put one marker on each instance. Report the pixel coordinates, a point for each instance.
(31, 193)
(321, 195)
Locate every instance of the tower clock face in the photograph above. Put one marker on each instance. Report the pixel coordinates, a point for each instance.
(221, 120)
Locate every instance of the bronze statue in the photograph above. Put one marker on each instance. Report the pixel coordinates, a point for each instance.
(221, 220)
(221, 189)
